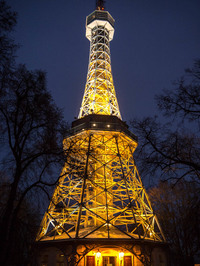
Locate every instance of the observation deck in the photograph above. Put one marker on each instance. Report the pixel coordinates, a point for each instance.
(103, 123)
(100, 18)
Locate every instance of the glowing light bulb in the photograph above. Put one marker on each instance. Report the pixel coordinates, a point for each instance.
(121, 255)
(98, 255)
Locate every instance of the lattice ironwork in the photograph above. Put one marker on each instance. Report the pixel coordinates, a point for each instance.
(100, 193)
(99, 96)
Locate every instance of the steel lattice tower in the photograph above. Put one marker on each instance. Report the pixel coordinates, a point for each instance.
(100, 194)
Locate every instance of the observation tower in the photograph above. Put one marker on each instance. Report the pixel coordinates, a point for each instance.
(100, 213)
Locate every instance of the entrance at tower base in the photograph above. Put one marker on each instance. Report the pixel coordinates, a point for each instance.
(112, 253)
(114, 256)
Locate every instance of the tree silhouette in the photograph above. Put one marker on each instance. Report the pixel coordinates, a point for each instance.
(32, 129)
(178, 211)
(171, 149)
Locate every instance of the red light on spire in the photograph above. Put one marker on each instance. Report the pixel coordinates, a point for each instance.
(100, 4)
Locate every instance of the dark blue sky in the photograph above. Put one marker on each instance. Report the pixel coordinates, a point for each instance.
(154, 42)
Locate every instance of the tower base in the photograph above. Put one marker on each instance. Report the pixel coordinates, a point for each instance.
(101, 252)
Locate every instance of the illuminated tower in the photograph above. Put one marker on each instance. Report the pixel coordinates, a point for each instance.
(100, 213)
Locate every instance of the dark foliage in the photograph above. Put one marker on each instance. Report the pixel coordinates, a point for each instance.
(178, 211)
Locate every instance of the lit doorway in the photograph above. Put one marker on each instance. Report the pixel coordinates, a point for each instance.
(109, 261)
(109, 257)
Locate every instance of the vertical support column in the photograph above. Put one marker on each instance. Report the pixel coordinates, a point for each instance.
(123, 176)
(83, 187)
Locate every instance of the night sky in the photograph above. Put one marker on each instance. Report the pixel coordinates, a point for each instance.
(154, 42)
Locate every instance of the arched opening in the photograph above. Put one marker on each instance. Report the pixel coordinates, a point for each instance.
(110, 256)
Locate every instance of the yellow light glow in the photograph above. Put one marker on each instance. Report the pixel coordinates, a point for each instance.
(121, 255)
(98, 255)
(100, 193)
(99, 96)
(109, 157)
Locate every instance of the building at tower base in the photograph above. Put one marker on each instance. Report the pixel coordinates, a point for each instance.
(118, 252)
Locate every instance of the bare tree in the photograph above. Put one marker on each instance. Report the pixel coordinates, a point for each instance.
(171, 149)
(178, 211)
(26, 225)
(184, 101)
(32, 130)
(32, 126)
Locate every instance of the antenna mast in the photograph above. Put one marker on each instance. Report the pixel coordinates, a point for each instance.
(100, 4)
